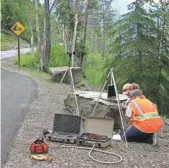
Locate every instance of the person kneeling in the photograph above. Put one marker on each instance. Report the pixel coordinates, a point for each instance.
(144, 118)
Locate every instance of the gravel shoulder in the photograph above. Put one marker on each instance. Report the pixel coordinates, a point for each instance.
(50, 100)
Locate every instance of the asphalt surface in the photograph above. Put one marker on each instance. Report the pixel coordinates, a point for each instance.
(17, 93)
(12, 53)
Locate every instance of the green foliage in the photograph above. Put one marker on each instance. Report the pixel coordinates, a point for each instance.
(6, 39)
(58, 57)
(9, 39)
(13, 11)
(28, 60)
(138, 43)
(4, 46)
(18, 10)
(137, 57)
(93, 70)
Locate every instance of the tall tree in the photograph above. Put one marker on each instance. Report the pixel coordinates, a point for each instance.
(48, 6)
(133, 40)
(13, 11)
(74, 17)
(30, 19)
(138, 51)
(39, 39)
(161, 13)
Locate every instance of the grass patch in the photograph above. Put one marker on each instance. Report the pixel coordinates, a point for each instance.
(28, 60)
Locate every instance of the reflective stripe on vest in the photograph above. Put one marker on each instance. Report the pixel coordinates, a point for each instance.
(137, 107)
(148, 116)
(144, 116)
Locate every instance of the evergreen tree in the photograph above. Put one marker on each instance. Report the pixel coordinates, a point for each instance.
(160, 12)
(136, 55)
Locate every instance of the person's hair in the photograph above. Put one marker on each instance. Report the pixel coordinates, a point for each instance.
(137, 93)
(135, 86)
(128, 86)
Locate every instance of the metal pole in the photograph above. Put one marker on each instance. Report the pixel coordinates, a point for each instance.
(100, 94)
(68, 69)
(118, 102)
(72, 81)
(18, 52)
(64, 75)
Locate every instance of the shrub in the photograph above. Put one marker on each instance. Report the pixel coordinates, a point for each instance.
(28, 60)
(7, 39)
(93, 70)
(4, 47)
(58, 57)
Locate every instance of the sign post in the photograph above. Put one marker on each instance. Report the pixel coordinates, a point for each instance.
(18, 28)
(18, 52)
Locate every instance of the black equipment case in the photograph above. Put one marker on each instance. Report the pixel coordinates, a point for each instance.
(66, 128)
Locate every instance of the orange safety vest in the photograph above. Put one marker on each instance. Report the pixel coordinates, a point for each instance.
(145, 116)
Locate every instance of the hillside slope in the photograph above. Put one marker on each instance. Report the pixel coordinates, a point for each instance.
(9, 41)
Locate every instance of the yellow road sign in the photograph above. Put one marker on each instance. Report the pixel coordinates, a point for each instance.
(17, 28)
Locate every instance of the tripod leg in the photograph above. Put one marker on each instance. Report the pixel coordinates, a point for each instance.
(64, 76)
(100, 96)
(120, 109)
(72, 81)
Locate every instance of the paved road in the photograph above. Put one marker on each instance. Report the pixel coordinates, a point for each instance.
(17, 92)
(12, 53)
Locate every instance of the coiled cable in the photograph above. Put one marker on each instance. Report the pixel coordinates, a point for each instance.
(92, 149)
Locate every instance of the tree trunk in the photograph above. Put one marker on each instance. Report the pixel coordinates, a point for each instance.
(161, 47)
(64, 38)
(74, 39)
(103, 41)
(38, 35)
(47, 40)
(31, 26)
(93, 37)
(85, 34)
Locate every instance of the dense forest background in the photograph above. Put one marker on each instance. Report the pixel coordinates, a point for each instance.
(135, 44)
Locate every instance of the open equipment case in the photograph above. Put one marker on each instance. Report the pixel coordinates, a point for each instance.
(98, 131)
(66, 128)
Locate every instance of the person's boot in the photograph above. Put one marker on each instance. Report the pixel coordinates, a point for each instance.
(155, 139)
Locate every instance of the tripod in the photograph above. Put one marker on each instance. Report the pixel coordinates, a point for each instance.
(69, 70)
(111, 76)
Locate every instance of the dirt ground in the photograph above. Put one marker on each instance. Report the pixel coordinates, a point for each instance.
(50, 100)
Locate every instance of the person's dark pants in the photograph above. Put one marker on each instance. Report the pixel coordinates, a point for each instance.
(135, 135)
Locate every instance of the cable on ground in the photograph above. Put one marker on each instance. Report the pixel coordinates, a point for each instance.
(96, 150)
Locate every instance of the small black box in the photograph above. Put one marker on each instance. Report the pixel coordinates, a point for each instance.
(111, 91)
